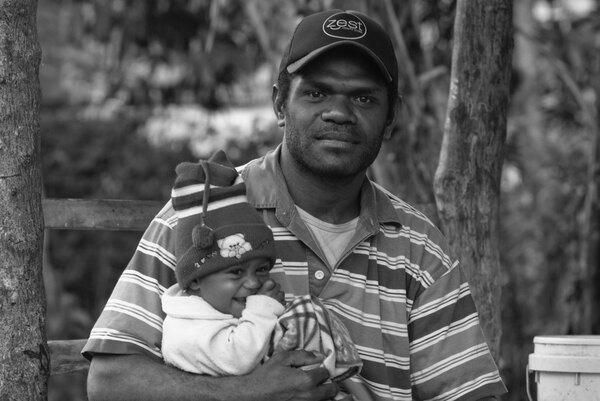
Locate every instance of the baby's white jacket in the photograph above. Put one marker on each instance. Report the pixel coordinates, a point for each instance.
(199, 339)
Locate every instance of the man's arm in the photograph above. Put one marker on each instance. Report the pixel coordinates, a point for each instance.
(137, 377)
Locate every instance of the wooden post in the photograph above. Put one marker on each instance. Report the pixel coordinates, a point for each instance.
(467, 181)
(24, 361)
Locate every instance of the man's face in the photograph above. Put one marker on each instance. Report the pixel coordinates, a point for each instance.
(227, 290)
(335, 116)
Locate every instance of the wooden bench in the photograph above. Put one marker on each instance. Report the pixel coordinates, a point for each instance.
(91, 214)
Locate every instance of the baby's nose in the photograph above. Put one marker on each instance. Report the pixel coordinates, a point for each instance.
(252, 282)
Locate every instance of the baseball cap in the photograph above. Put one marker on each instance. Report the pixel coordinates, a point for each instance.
(322, 31)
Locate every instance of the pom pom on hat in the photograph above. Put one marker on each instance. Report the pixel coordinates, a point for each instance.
(202, 236)
(216, 226)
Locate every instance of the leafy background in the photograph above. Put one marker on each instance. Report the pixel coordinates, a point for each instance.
(131, 88)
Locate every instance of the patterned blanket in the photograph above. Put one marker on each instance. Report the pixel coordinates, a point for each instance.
(307, 325)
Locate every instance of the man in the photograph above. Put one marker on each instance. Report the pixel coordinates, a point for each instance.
(375, 261)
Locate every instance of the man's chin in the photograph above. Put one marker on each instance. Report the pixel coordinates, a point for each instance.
(335, 172)
(334, 165)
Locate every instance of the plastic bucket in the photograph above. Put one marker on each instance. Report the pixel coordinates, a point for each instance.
(566, 368)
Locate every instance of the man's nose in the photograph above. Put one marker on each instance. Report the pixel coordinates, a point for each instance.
(339, 110)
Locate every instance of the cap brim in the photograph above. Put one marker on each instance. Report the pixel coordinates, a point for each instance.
(298, 64)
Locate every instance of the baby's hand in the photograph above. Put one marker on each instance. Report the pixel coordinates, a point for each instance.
(272, 289)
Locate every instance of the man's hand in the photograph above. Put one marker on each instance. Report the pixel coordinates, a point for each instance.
(283, 378)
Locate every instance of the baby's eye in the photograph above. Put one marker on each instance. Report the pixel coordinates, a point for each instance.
(264, 269)
(236, 272)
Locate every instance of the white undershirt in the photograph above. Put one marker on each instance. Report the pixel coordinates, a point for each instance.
(332, 238)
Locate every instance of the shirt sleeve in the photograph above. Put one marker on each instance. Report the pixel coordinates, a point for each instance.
(131, 322)
(450, 358)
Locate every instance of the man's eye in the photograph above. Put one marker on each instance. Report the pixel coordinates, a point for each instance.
(364, 99)
(314, 94)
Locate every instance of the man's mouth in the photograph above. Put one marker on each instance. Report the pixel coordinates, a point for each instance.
(337, 137)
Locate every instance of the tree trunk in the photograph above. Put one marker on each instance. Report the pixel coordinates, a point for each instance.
(589, 225)
(594, 250)
(23, 351)
(467, 180)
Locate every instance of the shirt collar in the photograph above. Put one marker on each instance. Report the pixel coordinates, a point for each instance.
(260, 175)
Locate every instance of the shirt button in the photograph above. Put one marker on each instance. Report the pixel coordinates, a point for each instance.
(319, 275)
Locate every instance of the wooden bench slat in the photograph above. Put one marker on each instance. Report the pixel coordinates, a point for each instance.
(99, 214)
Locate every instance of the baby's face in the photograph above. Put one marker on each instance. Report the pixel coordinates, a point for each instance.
(227, 290)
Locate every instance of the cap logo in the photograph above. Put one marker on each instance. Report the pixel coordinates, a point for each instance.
(344, 26)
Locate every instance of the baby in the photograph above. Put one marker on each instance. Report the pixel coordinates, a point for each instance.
(225, 315)
(223, 309)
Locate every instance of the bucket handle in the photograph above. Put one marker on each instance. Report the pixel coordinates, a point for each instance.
(527, 385)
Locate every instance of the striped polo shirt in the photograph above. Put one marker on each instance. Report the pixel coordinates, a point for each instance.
(406, 303)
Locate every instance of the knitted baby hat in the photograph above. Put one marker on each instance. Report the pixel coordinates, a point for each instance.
(216, 227)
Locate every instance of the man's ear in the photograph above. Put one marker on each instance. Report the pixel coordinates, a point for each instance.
(278, 103)
(391, 122)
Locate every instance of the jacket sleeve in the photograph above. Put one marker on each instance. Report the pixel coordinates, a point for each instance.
(228, 347)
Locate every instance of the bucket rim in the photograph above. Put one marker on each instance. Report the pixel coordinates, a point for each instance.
(578, 339)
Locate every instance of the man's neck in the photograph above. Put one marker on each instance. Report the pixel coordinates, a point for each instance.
(334, 200)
